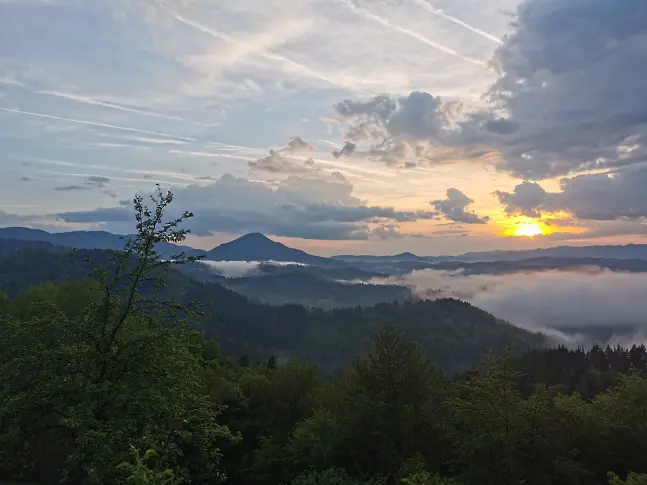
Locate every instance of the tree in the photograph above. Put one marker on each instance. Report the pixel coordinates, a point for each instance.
(138, 473)
(632, 479)
(390, 406)
(333, 476)
(78, 391)
(487, 407)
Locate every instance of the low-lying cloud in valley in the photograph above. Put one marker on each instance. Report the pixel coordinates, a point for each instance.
(243, 269)
(575, 307)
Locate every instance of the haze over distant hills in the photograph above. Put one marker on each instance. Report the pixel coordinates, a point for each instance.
(629, 251)
(524, 287)
(258, 247)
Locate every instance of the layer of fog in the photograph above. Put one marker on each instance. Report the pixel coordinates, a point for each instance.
(570, 306)
(241, 269)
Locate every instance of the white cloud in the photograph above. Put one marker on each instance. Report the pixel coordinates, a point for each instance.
(570, 306)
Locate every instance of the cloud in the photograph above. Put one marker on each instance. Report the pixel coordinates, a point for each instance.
(417, 116)
(306, 206)
(601, 197)
(606, 196)
(571, 306)
(416, 129)
(90, 181)
(277, 162)
(244, 269)
(438, 12)
(455, 208)
(425, 40)
(94, 123)
(298, 144)
(281, 161)
(569, 99)
(97, 181)
(46, 223)
(572, 80)
(527, 199)
(346, 150)
(8, 219)
(235, 269)
(70, 188)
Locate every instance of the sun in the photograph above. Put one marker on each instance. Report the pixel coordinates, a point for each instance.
(529, 229)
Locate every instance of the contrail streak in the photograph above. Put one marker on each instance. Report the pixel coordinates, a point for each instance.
(439, 13)
(106, 104)
(93, 123)
(264, 54)
(410, 33)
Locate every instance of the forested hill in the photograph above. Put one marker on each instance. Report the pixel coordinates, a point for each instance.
(454, 334)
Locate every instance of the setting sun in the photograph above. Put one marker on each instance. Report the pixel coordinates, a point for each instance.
(524, 227)
(529, 229)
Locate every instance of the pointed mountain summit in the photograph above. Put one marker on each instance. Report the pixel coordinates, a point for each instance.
(258, 247)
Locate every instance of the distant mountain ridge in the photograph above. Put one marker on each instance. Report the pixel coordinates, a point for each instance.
(258, 247)
(629, 251)
(86, 240)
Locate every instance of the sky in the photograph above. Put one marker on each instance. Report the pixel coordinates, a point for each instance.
(335, 126)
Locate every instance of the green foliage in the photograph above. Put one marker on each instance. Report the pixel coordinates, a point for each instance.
(632, 479)
(137, 472)
(79, 386)
(5, 303)
(426, 478)
(332, 476)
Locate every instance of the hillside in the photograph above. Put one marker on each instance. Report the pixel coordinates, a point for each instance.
(310, 286)
(453, 333)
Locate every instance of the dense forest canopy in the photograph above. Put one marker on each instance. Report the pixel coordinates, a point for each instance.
(105, 379)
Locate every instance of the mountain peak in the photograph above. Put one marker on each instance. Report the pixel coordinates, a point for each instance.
(254, 236)
(258, 247)
(407, 255)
